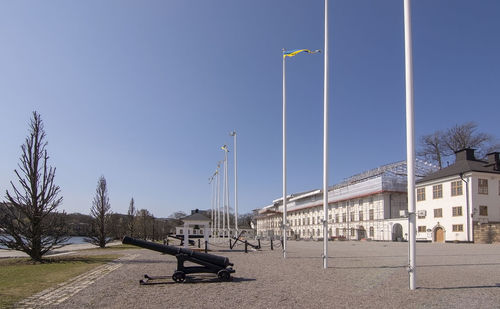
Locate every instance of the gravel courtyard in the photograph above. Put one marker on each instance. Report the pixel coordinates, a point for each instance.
(360, 275)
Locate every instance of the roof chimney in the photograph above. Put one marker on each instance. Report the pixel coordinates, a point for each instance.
(493, 159)
(465, 154)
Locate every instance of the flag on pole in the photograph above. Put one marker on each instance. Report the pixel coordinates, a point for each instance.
(291, 53)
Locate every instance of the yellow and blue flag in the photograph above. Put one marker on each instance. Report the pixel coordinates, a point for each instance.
(291, 53)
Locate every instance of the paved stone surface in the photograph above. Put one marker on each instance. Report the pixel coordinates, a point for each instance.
(65, 290)
(360, 275)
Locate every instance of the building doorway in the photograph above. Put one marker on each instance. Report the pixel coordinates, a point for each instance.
(361, 233)
(397, 232)
(439, 234)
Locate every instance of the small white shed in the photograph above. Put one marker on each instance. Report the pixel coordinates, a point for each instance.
(196, 219)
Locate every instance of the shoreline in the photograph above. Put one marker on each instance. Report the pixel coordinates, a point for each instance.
(66, 249)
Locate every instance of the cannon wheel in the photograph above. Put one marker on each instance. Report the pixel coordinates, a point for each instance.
(224, 275)
(179, 276)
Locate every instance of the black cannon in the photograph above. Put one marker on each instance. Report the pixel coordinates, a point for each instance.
(209, 263)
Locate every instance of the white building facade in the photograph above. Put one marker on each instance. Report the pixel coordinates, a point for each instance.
(370, 205)
(456, 201)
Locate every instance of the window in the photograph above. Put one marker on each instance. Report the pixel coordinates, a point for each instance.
(458, 227)
(353, 233)
(421, 228)
(312, 220)
(456, 188)
(337, 231)
(344, 231)
(483, 210)
(438, 213)
(360, 202)
(181, 231)
(482, 186)
(337, 218)
(317, 232)
(371, 214)
(360, 215)
(421, 214)
(308, 220)
(437, 191)
(344, 219)
(372, 231)
(457, 211)
(329, 216)
(352, 216)
(420, 194)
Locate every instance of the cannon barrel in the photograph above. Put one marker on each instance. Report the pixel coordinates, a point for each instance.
(210, 258)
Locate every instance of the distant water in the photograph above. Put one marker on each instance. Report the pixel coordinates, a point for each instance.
(71, 240)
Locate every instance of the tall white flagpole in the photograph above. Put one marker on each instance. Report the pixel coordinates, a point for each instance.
(325, 145)
(284, 157)
(235, 184)
(224, 198)
(218, 201)
(212, 198)
(410, 146)
(227, 198)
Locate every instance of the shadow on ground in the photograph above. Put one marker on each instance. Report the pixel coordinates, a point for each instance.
(166, 280)
(497, 285)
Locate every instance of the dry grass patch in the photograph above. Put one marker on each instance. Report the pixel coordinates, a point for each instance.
(118, 247)
(21, 277)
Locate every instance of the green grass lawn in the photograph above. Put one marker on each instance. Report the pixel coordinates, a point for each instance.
(21, 277)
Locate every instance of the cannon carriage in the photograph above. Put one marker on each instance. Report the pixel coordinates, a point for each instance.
(208, 263)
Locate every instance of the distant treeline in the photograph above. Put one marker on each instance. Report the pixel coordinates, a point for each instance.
(147, 226)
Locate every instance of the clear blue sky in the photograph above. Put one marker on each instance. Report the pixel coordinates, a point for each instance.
(146, 92)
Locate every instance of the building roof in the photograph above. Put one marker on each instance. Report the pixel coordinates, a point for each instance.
(386, 178)
(196, 216)
(396, 171)
(465, 162)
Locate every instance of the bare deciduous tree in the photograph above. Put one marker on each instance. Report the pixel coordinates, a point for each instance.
(465, 136)
(144, 218)
(100, 212)
(132, 212)
(30, 218)
(439, 145)
(432, 147)
(178, 215)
